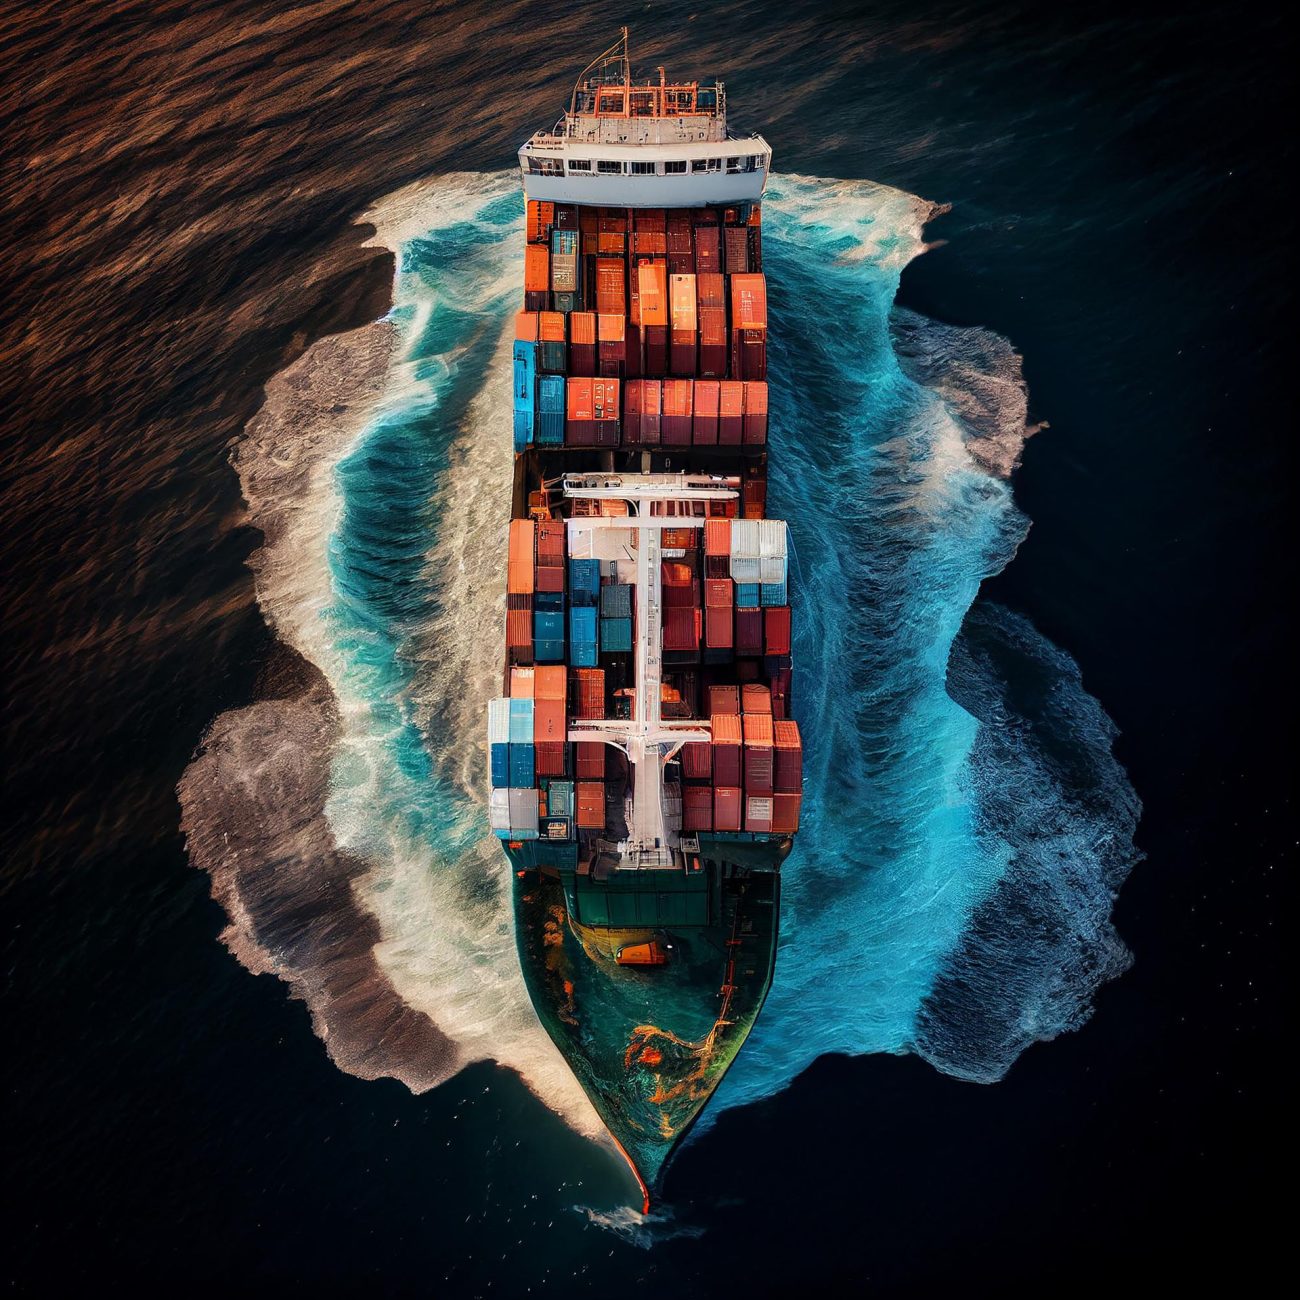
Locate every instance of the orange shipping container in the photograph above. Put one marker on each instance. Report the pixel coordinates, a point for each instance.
(522, 683)
(611, 326)
(717, 533)
(578, 399)
(748, 302)
(551, 683)
(526, 325)
(724, 699)
(652, 287)
(677, 397)
(604, 399)
(590, 692)
(519, 629)
(551, 326)
(756, 698)
(591, 805)
(611, 286)
(582, 327)
(611, 243)
(682, 302)
(785, 813)
(710, 289)
(519, 569)
(537, 268)
(548, 721)
(757, 730)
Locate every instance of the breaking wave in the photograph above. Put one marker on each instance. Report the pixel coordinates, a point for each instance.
(965, 825)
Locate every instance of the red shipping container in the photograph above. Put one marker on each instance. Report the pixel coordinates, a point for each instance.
(707, 260)
(726, 808)
(731, 412)
(758, 813)
(519, 631)
(749, 354)
(612, 345)
(704, 418)
(590, 692)
(711, 291)
(724, 699)
(550, 758)
(755, 496)
(726, 748)
(736, 246)
(697, 808)
(719, 630)
(550, 577)
(754, 426)
(611, 243)
(550, 541)
(632, 367)
(719, 593)
(758, 754)
(713, 342)
(579, 423)
(749, 631)
(682, 628)
(590, 760)
(697, 761)
(582, 343)
(611, 286)
(785, 813)
(776, 630)
(787, 770)
(651, 407)
(649, 242)
(755, 698)
(676, 425)
(590, 801)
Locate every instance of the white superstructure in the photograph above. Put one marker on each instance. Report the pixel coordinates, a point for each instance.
(643, 145)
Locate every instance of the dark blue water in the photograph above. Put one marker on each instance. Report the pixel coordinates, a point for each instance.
(1112, 183)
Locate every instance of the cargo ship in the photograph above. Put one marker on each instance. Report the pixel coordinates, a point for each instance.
(646, 772)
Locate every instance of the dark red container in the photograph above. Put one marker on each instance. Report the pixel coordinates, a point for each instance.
(736, 244)
(632, 412)
(707, 259)
(754, 424)
(550, 758)
(776, 630)
(785, 813)
(589, 760)
(727, 808)
(712, 362)
(724, 699)
(682, 627)
(549, 577)
(719, 631)
(676, 426)
(697, 808)
(787, 770)
(749, 631)
(656, 349)
(726, 749)
(697, 761)
(651, 409)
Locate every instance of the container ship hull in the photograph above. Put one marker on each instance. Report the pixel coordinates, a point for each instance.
(646, 771)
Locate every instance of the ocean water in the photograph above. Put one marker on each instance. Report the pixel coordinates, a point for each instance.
(938, 814)
(250, 512)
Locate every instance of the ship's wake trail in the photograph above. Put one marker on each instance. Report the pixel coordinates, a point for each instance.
(965, 826)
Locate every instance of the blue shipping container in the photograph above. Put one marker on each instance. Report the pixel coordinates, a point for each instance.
(773, 593)
(584, 584)
(500, 764)
(548, 652)
(548, 625)
(525, 365)
(522, 765)
(550, 422)
(549, 600)
(582, 654)
(582, 624)
(521, 722)
(746, 595)
(615, 635)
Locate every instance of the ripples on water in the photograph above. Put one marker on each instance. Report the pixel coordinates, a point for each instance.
(965, 825)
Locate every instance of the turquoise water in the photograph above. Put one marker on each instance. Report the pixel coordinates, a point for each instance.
(965, 826)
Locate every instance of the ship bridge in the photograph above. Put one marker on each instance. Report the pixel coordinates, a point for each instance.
(655, 502)
(637, 144)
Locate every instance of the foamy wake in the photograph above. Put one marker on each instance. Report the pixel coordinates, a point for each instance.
(342, 820)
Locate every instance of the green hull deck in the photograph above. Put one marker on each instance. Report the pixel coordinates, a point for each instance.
(649, 1044)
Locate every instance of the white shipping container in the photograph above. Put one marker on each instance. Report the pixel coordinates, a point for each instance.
(499, 810)
(499, 721)
(771, 538)
(771, 568)
(746, 568)
(523, 810)
(745, 540)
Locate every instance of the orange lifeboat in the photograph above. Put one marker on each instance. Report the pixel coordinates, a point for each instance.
(643, 954)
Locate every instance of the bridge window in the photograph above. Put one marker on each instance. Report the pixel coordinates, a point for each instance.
(579, 164)
(643, 169)
(733, 164)
(609, 167)
(751, 162)
(546, 166)
(643, 104)
(674, 168)
(611, 102)
(707, 165)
